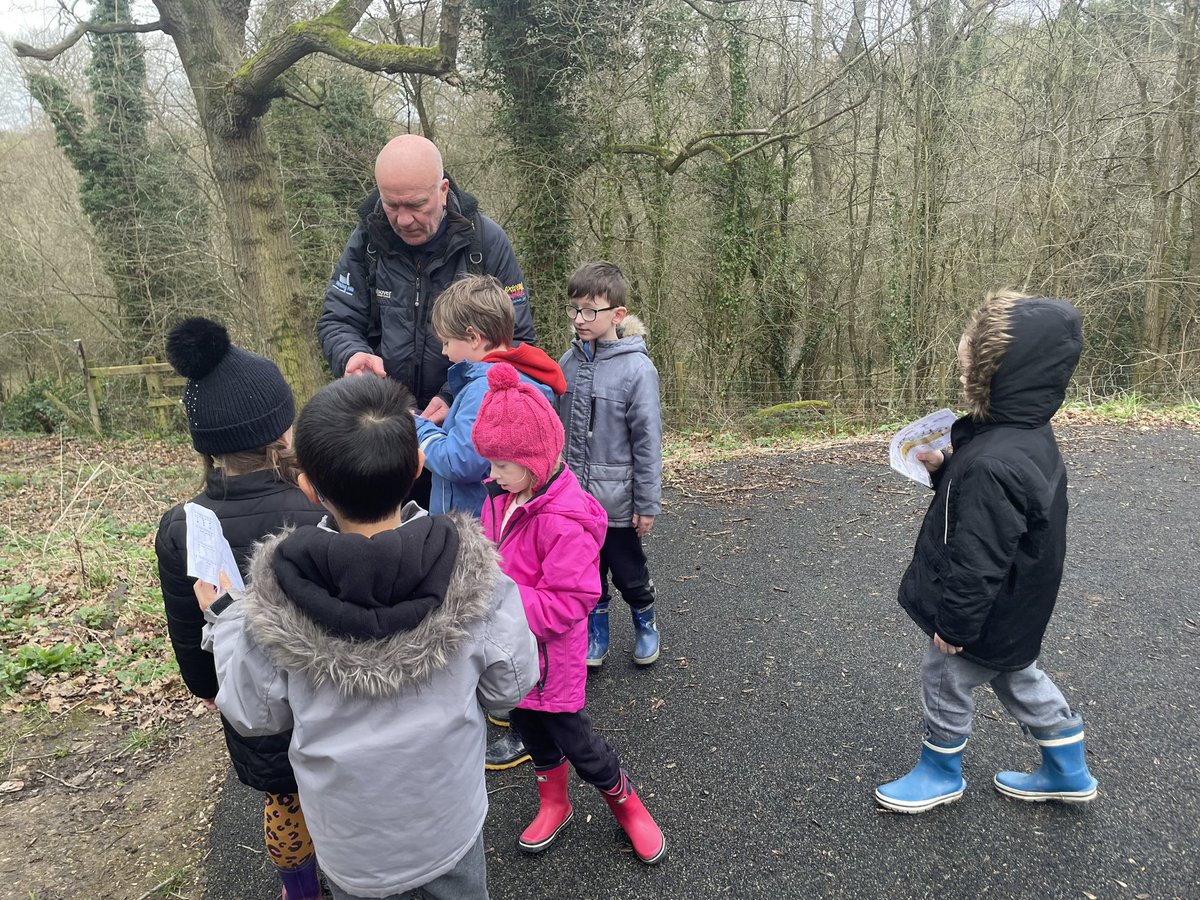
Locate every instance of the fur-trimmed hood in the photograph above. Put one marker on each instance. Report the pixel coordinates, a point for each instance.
(632, 326)
(1022, 352)
(376, 666)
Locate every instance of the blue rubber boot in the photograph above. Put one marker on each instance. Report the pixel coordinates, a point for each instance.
(936, 779)
(1063, 774)
(646, 644)
(597, 635)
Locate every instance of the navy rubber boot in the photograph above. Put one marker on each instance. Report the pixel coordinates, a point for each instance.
(597, 635)
(646, 644)
(1063, 774)
(936, 779)
(505, 752)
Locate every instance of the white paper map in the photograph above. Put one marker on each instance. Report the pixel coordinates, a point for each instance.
(931, 432)
(208, 553)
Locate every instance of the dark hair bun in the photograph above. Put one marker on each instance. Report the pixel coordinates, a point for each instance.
(195, 346)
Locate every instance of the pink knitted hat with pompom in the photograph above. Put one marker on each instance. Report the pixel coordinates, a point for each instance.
(517, 424)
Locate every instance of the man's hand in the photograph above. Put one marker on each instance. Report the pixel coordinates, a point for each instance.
(643, 524)
(436, 411)
(931, 459)
(365, 364)
(940, 643)
(210, 705)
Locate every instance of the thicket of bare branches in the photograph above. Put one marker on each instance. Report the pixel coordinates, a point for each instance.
(808, 198)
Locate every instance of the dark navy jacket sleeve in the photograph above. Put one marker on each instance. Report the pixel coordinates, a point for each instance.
(345, 321)
(985, 520)
(502, 262)
(185, 621)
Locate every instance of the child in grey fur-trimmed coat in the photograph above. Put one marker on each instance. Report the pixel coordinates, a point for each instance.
(613, 425)
(380, 644)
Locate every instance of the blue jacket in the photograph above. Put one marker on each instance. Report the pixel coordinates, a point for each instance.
(458, 471)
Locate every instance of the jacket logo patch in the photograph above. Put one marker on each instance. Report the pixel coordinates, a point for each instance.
(515, 291)
(383, 295)
(343, 284)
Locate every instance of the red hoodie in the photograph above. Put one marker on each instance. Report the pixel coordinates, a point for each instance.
(534, 362)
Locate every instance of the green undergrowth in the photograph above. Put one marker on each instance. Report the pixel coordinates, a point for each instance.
(81, 615)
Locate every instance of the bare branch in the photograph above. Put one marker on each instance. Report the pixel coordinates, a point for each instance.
(330, 34)
(776, 138)
(49, 53)
(670, 160)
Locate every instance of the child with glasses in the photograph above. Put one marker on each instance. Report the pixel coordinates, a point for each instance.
(613, 426)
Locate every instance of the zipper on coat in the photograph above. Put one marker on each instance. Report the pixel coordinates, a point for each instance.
(507, 528)
(418, 335)
(946, 518)
(591, 417)
(544, 656)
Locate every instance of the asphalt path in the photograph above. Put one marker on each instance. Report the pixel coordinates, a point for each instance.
(788, 689)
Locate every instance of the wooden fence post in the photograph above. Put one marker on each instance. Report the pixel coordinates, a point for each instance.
(154, 387)
(92, 386)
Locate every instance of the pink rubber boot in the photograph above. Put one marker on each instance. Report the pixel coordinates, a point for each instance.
(554, 810)
(647, 838)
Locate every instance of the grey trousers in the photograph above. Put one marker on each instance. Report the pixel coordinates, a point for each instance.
(1028, 694)
(466, 881)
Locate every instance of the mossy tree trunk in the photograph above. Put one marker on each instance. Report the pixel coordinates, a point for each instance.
(233, 88)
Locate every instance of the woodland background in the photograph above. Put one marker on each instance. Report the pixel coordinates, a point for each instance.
(807, 197)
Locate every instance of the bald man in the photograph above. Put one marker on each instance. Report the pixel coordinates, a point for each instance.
(416, 234)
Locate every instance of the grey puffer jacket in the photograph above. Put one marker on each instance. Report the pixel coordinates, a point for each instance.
(613, 424)
(388, 730)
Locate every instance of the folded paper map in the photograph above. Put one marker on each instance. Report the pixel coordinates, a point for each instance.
(929, 433)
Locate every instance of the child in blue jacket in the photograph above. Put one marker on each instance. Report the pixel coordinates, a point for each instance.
(474, 320)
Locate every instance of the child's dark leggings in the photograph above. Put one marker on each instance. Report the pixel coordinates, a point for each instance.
(549, 737)
(623, 558)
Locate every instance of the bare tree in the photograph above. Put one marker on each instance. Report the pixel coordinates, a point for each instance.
(233, 87)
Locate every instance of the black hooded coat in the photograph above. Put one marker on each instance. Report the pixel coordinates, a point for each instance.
(989, 558)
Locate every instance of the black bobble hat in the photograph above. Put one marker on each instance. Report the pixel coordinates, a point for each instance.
(235, 400)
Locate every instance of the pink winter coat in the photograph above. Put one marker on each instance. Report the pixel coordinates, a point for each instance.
(551, 549)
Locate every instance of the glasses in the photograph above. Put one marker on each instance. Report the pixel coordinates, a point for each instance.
(587, 313)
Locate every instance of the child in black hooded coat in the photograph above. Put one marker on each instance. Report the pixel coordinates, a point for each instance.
(989, 559)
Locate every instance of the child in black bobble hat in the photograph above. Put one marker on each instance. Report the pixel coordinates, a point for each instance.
(239, 412)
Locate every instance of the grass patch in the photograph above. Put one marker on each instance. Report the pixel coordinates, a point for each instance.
(81, 616)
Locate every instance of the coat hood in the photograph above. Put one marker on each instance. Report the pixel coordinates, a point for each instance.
(559, 497)
(533, 362)
(461, 208)
(371, 616)
(631, 339)
(1022, 352)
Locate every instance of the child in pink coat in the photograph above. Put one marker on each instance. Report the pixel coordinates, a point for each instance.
(549, 531)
